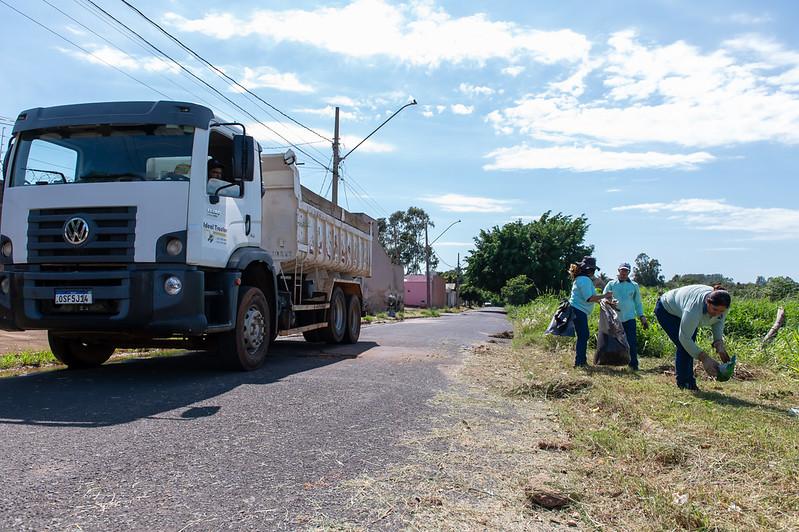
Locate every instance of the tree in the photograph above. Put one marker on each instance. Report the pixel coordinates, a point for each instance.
(402, 236)
(449, 276)
(647, 271)
(541, 250)
(781, 288)
(518, 290)
(601, 280)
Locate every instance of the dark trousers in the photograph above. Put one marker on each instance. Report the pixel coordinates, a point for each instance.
(683, 362)
(581, 328)
(632, 340)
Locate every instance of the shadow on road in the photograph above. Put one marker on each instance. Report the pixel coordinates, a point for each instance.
(134, 389)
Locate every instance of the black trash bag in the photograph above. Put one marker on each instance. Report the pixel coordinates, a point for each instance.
(562, 323)
(612, 348)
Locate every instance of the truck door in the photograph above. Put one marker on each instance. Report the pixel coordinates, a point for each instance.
(230, 213)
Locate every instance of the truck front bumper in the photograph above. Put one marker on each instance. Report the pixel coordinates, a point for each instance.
(130, 299)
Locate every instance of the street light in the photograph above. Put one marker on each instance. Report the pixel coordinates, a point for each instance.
(427, 258)
(337, 160)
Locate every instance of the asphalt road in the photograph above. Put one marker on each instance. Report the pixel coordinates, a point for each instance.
(175, 443)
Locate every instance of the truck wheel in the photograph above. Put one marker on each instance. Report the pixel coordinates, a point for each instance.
(353, 320)
(76, 354)
(246, 345)
(337, 320)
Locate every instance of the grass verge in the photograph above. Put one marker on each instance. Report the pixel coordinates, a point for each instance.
(649, 456)
(25, 361)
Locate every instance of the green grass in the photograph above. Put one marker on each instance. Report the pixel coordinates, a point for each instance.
(27, 359)
(649, 456)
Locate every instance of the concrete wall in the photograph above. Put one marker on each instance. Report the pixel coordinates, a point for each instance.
(416, 291)
(385, 283)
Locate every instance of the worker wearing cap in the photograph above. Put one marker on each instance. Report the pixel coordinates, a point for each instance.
(628, 295)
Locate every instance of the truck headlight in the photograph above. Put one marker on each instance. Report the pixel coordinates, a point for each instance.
(5, 285)
(173, 285)
(174, 247)
(7, 249)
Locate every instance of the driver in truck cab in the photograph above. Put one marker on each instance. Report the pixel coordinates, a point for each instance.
(216, 181)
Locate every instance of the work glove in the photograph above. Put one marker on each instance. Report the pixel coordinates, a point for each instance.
(644, 323)
(721, 349)
(710, 365)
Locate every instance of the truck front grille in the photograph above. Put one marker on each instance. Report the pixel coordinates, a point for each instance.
(111, 236)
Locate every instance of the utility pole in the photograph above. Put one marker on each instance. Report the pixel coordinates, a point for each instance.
(458, 283)
(336, 160)
(427, 264)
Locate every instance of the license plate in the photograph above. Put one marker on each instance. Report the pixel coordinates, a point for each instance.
(73, 297)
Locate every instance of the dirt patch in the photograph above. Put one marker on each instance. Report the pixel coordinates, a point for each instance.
(506, 335)
(475, 467)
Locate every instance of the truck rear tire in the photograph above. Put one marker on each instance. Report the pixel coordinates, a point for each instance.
(76, 354)
(353, 320)
(337, 318)
(245, 347)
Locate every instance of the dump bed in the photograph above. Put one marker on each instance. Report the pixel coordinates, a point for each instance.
(304, 231)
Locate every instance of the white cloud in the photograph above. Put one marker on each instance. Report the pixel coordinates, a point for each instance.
(523, 218)
(267, 135)
(268, 77)
(513, 71)
(613, 190)
(108, 56)
(588, 159)
(677, 95)
(475, 90)
(460, 109)
(749, 19)
(440, 108)
(329, 112)
(461, 203)
(416, 32)
(719, 215)
(344, 101)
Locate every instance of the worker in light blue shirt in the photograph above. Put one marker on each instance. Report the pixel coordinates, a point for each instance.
(681, 312)
(629, 305)
(582, 300)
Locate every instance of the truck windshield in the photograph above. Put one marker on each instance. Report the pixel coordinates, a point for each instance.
(103, 154)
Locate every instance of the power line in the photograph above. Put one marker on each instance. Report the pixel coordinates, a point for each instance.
(70, 17)
(211, 87)
(218, 71)
(83, 49)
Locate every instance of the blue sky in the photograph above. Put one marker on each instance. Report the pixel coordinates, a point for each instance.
(672, 125)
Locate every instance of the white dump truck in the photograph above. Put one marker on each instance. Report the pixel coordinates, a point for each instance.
(112, 235)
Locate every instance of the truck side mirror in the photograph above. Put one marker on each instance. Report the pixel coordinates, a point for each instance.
(243, 149)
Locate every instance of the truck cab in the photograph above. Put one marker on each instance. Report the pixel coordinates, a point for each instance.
(112, 234)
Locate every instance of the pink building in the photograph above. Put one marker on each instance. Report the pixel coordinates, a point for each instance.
(416, 291)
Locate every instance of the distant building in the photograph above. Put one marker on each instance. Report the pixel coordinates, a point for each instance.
(416, 291)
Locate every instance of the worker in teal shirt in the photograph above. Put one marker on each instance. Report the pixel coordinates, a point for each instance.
(582, 301)
(629, 305)
(681, 312)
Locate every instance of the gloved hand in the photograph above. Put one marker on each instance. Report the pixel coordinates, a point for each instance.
(721, 349)
(710, 365)
(644, 323)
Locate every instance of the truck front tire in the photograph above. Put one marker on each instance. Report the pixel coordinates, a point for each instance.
(245, 347)
(76, 354)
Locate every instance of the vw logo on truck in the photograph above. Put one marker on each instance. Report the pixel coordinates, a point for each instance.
(76, 231)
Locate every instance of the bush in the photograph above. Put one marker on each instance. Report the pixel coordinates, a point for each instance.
(518, 290)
